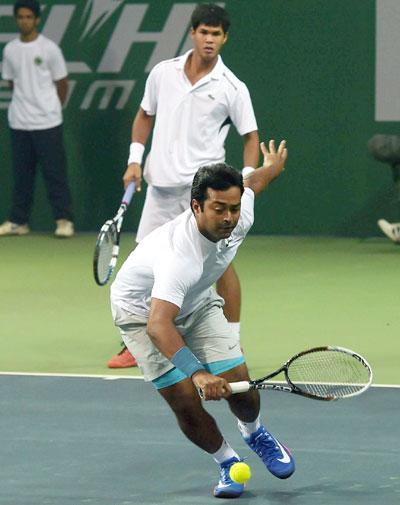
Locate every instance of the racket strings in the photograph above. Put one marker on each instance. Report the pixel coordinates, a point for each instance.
(329, 373)
(105, 253)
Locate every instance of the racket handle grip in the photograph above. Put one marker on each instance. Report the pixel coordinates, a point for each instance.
(239, 387)
(129, 193)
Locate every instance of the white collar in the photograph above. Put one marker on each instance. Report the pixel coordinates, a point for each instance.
(216, 73)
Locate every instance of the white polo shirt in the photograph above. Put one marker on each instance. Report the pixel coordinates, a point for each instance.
(33, 67)
(192, 121)
(176, 263)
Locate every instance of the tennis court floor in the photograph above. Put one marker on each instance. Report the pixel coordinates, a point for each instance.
(73, 441)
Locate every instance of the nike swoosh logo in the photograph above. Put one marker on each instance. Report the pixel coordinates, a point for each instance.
(286, 457)
(230, 347)
(223, 485)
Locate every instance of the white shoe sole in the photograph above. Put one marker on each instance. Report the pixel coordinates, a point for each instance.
(391, 231)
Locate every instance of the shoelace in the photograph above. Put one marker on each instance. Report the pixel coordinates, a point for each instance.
(225, 478)
(265, 441)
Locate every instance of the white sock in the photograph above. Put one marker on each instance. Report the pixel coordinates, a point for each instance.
(235, 327)
(224, 453)
(247, 429)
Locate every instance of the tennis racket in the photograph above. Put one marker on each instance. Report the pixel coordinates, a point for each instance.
(322, 373)
(107, 244)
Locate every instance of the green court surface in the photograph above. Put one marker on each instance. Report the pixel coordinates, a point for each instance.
(297, 292)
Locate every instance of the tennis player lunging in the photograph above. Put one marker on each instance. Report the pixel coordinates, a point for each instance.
(167, 311)
(189, 104)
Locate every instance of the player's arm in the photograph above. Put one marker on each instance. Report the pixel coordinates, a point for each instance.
(7, 73)
(164, 335)
(251, 143)
(62, 89)
(161, 327)
(141, 129)
(273, 164)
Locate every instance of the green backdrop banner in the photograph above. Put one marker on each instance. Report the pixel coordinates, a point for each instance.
(309, 65)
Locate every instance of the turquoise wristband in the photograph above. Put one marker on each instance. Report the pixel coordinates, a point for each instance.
(186, 361)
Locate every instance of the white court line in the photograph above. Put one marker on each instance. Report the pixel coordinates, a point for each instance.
(136, 377)
(67, 375)
(385, 385)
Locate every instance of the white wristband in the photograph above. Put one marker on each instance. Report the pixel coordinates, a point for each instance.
(136, 151)
(246, 171)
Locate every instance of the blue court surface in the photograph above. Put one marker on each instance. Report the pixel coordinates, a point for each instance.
(96, 441)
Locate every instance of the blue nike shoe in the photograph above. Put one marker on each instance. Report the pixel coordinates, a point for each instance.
(275, 456)
(226, 488)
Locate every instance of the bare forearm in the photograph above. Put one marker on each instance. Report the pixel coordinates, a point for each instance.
(161, 327)
(62, 90)
(251, 148)
(141, 127)
(165, 337)
(258, 180)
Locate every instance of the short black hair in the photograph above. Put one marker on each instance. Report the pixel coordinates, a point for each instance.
(211, 15)
(32, 5)
(218, 176)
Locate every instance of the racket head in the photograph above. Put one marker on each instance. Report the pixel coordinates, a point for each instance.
(105, 253)
(328, 373)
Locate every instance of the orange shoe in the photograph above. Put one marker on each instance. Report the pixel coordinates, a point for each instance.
(123, 359)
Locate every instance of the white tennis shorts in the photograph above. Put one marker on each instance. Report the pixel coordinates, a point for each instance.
(206, 332)
(160, 206)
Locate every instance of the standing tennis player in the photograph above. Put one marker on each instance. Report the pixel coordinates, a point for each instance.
(37, 74)
(189, 104)
(168, 312)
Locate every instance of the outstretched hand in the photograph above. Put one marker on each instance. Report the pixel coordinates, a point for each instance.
(274, 159)
(273, 165)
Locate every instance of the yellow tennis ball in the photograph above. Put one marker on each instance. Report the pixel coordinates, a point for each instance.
(240, 472)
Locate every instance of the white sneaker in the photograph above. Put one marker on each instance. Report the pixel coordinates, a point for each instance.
(65, 228)
(391, 230)
(9, 228)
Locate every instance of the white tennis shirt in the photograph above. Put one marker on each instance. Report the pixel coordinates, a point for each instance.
(33, 67)
(176, 263)
(192, 121)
